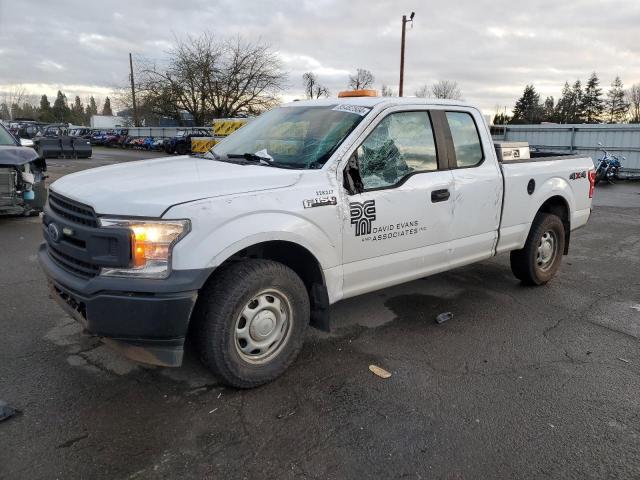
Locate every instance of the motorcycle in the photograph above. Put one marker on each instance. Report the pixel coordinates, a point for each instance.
(608, 167)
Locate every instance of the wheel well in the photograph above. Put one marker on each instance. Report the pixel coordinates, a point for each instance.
(306, 266)
(558, 206)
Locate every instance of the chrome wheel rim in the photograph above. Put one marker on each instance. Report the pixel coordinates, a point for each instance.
(263, 327)
(547, 250)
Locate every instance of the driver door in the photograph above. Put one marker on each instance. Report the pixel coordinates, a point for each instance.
(398, 204)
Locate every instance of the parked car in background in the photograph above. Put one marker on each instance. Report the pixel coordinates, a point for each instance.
(22, 179)
(115, 138)
(181, 143)
(82, 132)
(97, 137)
(53, 130)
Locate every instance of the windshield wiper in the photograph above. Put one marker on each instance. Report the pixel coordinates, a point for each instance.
(252, 157)
(211, 155)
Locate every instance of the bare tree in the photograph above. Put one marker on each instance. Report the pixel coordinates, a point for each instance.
(446, 89)
(312, 87)
(387, 91)
(362, 79)
(633, 98)
(211, 78)
(423, 91)
(16, 95)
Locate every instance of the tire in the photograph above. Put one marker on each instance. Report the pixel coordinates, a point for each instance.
(540, 259)
(181, 149)
(224, 336)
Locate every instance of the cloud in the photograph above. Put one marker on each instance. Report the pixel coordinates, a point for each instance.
(50, 66)
(492, 48)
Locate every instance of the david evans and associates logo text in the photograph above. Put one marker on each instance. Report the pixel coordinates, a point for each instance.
(364, 214)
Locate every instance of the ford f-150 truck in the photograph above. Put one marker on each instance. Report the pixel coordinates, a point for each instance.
(310, 203)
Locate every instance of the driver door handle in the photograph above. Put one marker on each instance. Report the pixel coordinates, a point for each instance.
(440, 195)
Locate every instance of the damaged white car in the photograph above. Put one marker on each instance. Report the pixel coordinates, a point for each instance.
(22, 179)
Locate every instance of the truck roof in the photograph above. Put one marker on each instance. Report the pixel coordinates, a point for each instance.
(377, 101)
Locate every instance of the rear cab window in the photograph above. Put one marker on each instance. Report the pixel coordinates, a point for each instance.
(466, 139)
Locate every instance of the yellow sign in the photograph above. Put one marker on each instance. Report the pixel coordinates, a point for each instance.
(202, 144)
(222, 127)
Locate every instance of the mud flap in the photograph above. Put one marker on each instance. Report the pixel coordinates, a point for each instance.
(320, 317)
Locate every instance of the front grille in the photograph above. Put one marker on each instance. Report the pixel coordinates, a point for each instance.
(73, 211)
(76, 242)
(74, 265)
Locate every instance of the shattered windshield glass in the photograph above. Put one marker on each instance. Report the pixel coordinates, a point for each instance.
(294, 137)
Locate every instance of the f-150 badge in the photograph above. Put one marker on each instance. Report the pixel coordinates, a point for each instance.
(320, 202)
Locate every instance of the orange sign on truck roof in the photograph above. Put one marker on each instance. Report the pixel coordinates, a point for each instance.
(358, 93)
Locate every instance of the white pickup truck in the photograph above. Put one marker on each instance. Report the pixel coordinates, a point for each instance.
(310, 203)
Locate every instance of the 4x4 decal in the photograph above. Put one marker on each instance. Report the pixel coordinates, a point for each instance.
(362, 216)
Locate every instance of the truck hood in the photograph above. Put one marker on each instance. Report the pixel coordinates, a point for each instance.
(146, 188)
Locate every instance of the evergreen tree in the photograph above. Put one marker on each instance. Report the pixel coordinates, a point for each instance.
(528, 108)
(77, 112)
(90, 110)
(46, 115)
(106, 109)
(617, 106)
(548, 110)
(93, 106)
(592, 105)
(563, 107)
(60, 110)
(576, 115)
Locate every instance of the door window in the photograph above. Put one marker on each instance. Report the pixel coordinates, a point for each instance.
(466, 141)
(400, 145)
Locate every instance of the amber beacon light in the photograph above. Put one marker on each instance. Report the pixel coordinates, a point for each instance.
(358, 93)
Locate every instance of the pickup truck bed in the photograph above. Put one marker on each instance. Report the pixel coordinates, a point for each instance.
(551, 177)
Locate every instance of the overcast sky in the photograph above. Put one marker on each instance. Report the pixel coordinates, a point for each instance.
(491, 48)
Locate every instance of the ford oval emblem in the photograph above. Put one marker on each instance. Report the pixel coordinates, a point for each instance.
(54, 232)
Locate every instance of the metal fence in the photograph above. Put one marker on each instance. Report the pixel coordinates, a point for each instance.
(158, 132)
(622, 140)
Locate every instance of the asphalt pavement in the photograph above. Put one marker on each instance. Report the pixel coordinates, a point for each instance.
(520, 383)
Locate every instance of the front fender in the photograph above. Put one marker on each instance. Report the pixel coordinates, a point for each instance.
(210, 242)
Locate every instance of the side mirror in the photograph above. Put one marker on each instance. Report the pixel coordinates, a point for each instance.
(26, 142)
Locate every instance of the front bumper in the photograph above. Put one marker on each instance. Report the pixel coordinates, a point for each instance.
(147, 320)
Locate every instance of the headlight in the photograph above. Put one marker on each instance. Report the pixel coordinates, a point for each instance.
(151, 245)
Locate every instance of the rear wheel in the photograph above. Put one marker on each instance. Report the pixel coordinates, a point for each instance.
(540, 259)
(250, 322)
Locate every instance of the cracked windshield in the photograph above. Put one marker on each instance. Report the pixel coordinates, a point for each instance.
(294, 137)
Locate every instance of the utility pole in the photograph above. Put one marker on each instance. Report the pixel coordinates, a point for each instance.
(133, 92)
(404, 28)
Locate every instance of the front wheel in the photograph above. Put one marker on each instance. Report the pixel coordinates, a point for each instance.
(250, 322)
(540, 259)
